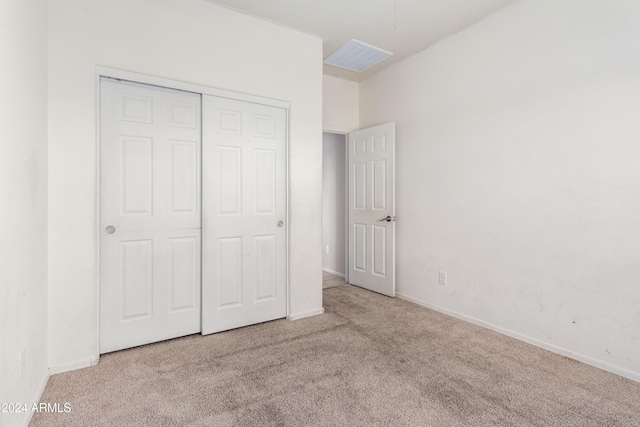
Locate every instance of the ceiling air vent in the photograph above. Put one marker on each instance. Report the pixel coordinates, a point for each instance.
(356, 56)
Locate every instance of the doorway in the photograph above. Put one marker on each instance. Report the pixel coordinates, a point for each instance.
(359, 207)
(334, 213)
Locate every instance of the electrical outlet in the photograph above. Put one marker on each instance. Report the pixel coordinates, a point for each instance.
(442, 277)
(326, 249)
(23, 363)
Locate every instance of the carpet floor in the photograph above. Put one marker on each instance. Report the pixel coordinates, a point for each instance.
(368, 361)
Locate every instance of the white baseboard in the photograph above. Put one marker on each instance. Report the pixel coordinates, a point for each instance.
(299, 316)
(635, 376)
(36, 398)
(73, 366)
(335, 273)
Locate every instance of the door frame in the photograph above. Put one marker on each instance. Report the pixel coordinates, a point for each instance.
(115, 73)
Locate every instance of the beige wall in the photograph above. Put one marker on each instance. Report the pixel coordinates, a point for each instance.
(192, 41)
(517, 174)
(339, 105)
(23, 205)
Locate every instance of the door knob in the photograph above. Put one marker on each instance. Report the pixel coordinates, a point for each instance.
(110, 229)
(280, 223)
(388, 218)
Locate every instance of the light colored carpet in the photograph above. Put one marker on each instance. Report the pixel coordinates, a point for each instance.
(368, 361)
(331, 281)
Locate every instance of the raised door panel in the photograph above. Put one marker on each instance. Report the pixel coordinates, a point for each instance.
(229, 121)
(184, 115)
(137, 176)
(359, 146)
(265, 262)
(229, 188)
(136, 279)
(136, 108)
(229, 272)
(184, 177)
(379, 184)
(264, 162)
(264, 126)
(379, 142)
(184, 273)
(359, 185)
(360, 247)
(378, 249)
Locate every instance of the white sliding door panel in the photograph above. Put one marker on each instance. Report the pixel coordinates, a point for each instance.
(244, 210)
(372, 209)
(150, 215)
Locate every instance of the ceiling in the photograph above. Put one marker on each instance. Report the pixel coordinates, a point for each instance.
(404, 27)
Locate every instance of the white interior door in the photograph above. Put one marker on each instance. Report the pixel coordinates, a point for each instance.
(244, 213)
(150, 214)
(371, 161)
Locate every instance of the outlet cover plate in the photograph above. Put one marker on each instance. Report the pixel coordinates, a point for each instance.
(442, 277)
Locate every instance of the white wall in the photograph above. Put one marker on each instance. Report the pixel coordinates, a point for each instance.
(23, 204)
(517, 174)
(333, 202)
(186, 40)
(339, 104)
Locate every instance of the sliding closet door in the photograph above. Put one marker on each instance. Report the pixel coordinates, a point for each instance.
(150, 218)
(244, 213)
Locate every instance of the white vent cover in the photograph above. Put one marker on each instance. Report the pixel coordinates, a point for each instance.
(356, 56)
